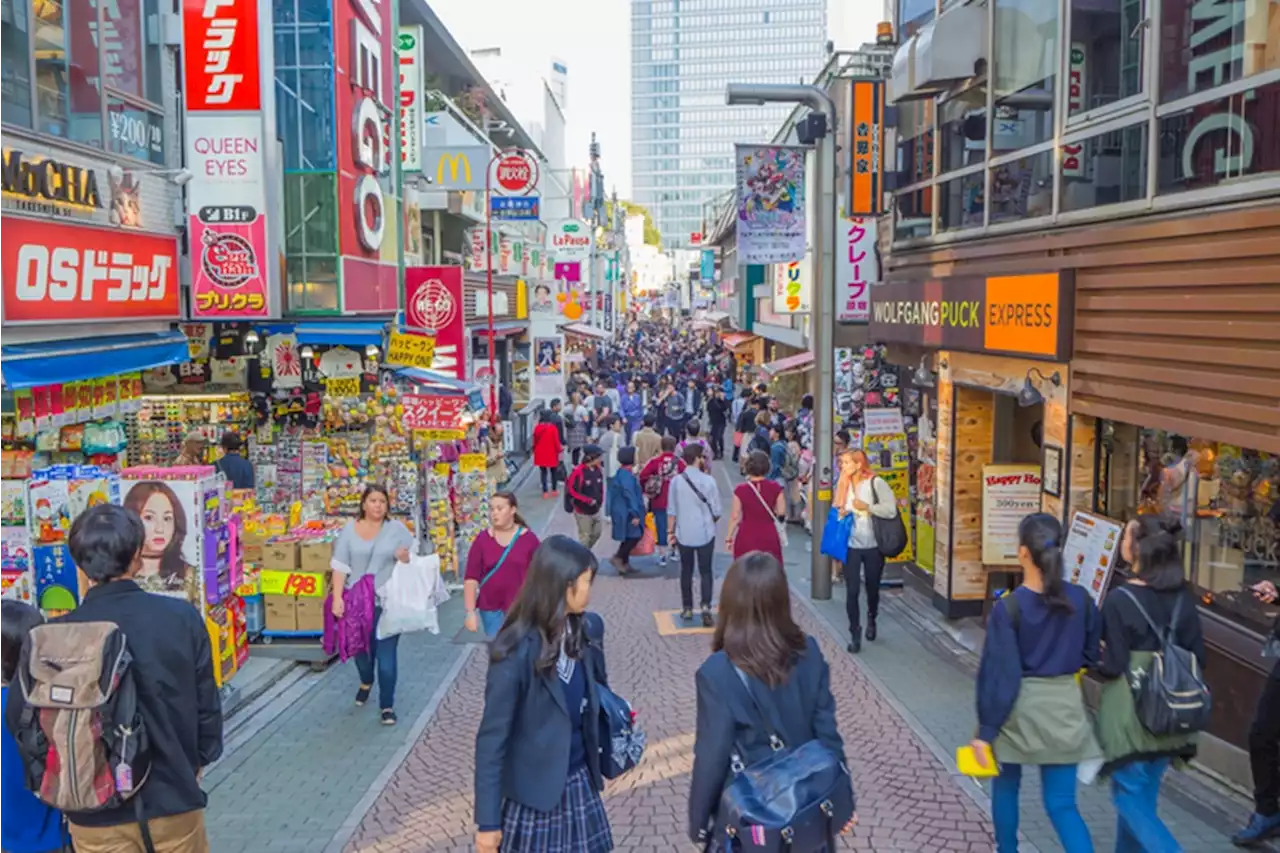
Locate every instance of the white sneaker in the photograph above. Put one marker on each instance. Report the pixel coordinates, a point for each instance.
(662, 559)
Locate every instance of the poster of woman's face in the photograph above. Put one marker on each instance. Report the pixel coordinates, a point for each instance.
(544, 300)
(170, 547)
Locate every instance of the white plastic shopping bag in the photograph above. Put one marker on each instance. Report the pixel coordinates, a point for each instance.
(410, 597)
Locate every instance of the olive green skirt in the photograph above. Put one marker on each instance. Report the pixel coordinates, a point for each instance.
(1049, 725)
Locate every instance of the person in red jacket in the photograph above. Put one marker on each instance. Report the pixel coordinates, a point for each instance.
(547, 449)
(655, 479)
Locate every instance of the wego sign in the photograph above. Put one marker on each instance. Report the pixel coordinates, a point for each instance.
(365, 99)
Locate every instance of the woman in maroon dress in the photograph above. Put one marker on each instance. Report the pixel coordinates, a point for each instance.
(758, 505)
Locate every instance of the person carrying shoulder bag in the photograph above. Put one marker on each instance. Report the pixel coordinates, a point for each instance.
(871, 501)
(496, 565)
(693, 512)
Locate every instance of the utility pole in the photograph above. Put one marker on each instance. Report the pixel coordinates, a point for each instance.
(823, 311)
(597, 220)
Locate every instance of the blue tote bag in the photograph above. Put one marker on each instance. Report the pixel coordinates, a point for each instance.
(836, 533)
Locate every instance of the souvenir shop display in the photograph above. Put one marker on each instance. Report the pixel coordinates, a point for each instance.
(440, 516)
(471, 507)
(161, 424)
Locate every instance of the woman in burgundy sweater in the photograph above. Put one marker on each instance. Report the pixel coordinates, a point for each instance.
(496, 565)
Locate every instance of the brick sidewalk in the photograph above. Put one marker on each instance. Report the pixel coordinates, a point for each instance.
(907, 800)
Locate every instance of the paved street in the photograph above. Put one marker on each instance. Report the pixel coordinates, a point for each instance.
(309, 772)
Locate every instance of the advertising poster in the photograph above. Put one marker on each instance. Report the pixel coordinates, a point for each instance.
(545, 299)
(857, 268)
(771, 203)
(548, 366)
(793, 286)
(172, 514)
(899, 480)
(1089, 554)
(1009, 494)
(433, 306)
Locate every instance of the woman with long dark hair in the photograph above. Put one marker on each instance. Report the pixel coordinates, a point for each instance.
(165, 523)
(371, 545)
(757, 645)
(1030, 706)
(1156, 599)
(538, 779)
(496, 565)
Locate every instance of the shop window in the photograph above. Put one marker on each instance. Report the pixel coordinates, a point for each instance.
(913, 214)
(1228, 498)
(1024, 45)
(313, 283)
(963, 129)
(1205, 44)
(915, 139)
(135, 131)
(913, 15)
(962, 203)
(15, 48)
(1104, 58)
(1022, 189)
(1106, 169)
(1219, 141)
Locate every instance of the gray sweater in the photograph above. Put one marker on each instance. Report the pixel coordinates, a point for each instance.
(357, 557)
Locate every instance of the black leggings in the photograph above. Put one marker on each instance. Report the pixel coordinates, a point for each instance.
(576, 455)
(870, 563)
(625, 547)
(553, 475)
(1264, 748)
(717, 440)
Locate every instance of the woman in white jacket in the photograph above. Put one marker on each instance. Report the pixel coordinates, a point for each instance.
(861, 492)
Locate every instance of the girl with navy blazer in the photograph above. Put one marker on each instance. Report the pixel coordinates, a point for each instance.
(538, 780)
(756, 635)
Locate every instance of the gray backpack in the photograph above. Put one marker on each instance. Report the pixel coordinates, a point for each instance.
(1170, 697)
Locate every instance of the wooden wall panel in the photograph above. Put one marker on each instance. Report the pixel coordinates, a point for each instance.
(975, 424)
(1079, 474)
(942, 483)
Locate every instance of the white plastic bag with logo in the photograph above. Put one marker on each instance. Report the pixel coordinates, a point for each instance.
(410, 598)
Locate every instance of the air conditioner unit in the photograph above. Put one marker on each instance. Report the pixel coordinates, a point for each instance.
(952, 48)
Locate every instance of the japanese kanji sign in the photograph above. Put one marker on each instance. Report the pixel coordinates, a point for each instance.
(857, 268)
(424, 411)
(220, 55)
(56, 273)
(865, 196)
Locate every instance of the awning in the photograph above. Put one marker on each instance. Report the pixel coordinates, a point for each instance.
(734, 340)
(701, 325)
(433, 382)
(351, 333)
(791, 364)
(500, 330)
(56, 362)
(717, 317)
(585, 331)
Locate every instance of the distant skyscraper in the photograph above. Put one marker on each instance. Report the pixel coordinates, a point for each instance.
(559, 82)
(683, 54)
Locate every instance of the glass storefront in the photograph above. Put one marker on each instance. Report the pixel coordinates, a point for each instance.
(1227, 496)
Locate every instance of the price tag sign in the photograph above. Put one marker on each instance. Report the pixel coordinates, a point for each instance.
(303, 584)
(411, 350)
(342, 387)
(439, 434)
(471, 463)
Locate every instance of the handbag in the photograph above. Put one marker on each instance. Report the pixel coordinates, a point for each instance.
(779, 526)
(648, 539)
(836, 533)
(891, 533)
(794, 801)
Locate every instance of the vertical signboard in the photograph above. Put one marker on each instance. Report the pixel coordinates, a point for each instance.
(793, 287)
(866, 148)
(771, 203)
(1077, 86)
(230, 251)
(857, 268)
(433, 306)
(708, 266)
(409, 53)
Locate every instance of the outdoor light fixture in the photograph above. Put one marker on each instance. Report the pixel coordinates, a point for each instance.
(1030, 394)
(924, 376)
(307, 352)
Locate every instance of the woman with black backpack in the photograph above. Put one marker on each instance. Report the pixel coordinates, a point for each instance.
(1154, 613)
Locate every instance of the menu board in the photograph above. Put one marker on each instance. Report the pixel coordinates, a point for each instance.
(1009, 494)
(1089, 554)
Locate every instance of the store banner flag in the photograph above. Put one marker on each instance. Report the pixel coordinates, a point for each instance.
(708, 270)
(432, 411)
(433, 306)
(857, 269)
(771, 203)
(548, 366)
(793, 286)
(409, 54)
(865, 196)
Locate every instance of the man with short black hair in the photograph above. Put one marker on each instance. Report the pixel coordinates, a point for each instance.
(177, 695)
(693, 509)
(232, 465)
(584, 491)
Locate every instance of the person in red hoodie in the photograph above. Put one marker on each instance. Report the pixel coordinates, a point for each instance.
(547, 449)
(655, 479)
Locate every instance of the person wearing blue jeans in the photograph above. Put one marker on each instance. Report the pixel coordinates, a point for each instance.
(382, 658)
(1058, 788)
(1135, 792)
(491, 621)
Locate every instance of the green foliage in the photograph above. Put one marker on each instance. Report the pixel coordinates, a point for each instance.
(651, 235)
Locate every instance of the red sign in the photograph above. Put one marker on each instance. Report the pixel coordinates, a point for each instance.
(695, 238)
(56, 273)
(424, 411)
(516, 172)
(220, 55)
(433, 304)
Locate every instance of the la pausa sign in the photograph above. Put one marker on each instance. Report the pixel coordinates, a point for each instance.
(49, 186)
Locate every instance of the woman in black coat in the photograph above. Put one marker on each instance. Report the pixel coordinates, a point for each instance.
(538, 780)
(755, 634)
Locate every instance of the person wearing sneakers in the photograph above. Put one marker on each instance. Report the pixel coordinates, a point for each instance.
(693, 511)
(656, 478)
(584, 495)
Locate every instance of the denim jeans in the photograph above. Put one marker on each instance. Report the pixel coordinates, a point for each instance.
(491, 621)
(549, 475)
(383, 653)
(1058, 785)
(660, 521)
(1135, 791)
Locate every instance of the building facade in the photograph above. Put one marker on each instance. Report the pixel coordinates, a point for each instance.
(683, 55)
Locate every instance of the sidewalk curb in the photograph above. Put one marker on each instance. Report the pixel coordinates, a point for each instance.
(944, 755)
(349, 826)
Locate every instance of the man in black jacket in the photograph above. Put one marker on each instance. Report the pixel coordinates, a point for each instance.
(584, 491)
(718, 414)
(746, 426)
(177, 695)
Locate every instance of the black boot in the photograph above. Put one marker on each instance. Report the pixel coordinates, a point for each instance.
(871, 628)
(855, 644)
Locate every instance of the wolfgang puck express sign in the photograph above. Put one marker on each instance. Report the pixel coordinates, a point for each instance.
(1026, 315)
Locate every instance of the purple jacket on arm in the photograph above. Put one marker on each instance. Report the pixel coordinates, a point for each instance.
(349, 636)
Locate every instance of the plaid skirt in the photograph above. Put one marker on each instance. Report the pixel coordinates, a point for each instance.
(577, 825)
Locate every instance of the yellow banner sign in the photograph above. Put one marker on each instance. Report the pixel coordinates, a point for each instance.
(411, 350)
(302, 584)
(438, 434)
(342, 387)
(471, 463)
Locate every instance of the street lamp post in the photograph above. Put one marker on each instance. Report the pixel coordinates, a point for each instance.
(823, 303)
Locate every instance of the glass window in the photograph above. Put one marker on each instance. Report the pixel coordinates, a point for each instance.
(15, 48)
(913, 214)
(1026, 35)
(1022, 189)
(1106, 169)
(963, 129)
(134, 131)
(1104, 59)
(1205, 44)
(915, 139)
(1221, 140)
(313, 283)
(961, 203)
(914, 14)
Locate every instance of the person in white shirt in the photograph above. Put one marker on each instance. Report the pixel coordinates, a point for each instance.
(693, 509)
(861, 492)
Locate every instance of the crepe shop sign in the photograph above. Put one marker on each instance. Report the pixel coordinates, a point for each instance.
(60, 273)
(423, 411)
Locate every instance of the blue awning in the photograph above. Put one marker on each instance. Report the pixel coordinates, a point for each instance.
(436, 383)
(351, 333)
(55, 362)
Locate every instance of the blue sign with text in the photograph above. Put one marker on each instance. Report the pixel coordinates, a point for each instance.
(521, 207)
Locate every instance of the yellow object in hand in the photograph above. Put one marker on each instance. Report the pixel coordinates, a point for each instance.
(967, 762)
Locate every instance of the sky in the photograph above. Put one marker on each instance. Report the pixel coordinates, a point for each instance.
(591, 37)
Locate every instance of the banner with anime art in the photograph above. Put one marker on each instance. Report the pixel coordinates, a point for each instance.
(548, 366)
(771, 203)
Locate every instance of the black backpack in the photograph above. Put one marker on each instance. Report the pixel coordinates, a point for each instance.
(1170, 697)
